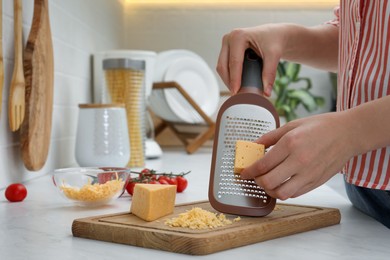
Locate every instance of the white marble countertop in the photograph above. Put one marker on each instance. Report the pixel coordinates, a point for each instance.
(40, 226)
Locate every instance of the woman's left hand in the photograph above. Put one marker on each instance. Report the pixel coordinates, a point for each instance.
(305, 154)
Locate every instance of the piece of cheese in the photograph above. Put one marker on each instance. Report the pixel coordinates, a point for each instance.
(246, 154)
(153, 201)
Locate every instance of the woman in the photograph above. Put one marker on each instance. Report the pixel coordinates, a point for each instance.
(354, 140)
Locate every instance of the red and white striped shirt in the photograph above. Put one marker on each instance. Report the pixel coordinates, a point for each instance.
(364, 75)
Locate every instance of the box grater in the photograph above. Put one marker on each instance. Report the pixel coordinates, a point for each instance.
(244, 116)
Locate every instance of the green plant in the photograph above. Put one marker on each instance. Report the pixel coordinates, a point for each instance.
(287, 98)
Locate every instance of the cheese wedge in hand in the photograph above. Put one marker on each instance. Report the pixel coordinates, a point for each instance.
(153, 201)
(246, 154)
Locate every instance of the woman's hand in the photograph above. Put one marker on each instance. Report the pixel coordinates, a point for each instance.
(266, 40)
(305, 154)
(314, 46)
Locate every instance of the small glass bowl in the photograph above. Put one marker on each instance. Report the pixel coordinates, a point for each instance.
(91, 186)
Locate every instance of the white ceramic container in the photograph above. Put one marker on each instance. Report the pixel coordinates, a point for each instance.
(102, 136)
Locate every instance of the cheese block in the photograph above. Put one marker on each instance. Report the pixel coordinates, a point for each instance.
(153, 201)
(246, 154)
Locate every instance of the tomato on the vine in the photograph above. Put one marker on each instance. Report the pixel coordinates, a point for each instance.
(182, 183)
(16, 192)
(172, 181)
(147, 173)
(152, 177)
(130, 187)
(163, 178)
(144, 173)
(163, 181)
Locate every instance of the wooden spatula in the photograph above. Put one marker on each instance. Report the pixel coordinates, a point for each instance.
(39, 73)
(16, 102)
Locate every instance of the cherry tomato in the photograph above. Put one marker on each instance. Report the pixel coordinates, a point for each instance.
(163, 181)
(104, 177)
(182, 183)
(130, 187)
(16, 192)
(145, 181)
(144, 173)
(163, 178)
(153, 182)
(172, 181)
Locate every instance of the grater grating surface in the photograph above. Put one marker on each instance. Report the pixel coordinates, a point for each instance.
(239, 122)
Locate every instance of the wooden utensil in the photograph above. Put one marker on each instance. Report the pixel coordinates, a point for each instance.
(1, 55)
(39, 73)
(16, 102)
(126, 228)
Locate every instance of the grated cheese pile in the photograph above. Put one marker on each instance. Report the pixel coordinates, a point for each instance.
(198, 218)
(93, 192)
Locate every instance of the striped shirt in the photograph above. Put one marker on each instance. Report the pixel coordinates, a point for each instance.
(364, 75)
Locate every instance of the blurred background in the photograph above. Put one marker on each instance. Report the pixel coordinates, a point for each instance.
(82, 28)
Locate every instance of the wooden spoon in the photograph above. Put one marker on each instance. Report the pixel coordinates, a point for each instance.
(39, 72)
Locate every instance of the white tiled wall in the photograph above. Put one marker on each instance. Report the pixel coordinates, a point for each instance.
(79, 28)
(201, 30)
(82, 27)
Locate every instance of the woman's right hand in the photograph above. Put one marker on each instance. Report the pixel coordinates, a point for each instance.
(268, 41)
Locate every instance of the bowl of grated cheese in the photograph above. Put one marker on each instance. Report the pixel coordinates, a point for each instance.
(91, 186)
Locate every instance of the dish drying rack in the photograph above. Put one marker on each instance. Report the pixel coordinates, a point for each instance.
(192, 141)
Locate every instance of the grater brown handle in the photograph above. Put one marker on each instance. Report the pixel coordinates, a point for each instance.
(252, 72)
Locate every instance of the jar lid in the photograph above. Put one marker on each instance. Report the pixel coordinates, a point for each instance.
(109, 64)
(120, 105)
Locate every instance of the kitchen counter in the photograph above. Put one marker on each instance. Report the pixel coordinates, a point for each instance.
(40, 226)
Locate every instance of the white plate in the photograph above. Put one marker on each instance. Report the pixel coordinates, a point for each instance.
(157, 101)
(199, 82)
(160, 107)
(166, 58)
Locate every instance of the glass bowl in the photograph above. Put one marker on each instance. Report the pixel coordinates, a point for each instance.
(91, 186)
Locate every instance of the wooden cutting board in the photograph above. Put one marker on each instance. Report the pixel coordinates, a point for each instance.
(39, 74)
(126, 228)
